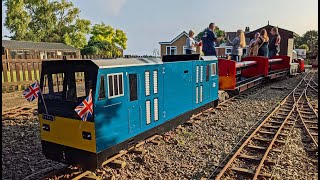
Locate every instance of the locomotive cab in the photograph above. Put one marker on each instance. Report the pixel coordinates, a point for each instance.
(60, 126)
(66, 83)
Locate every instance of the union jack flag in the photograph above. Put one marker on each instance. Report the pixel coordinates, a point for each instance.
(85, 109)
(32, 92)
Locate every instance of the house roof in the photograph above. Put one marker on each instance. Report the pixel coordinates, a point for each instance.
(251, 33)
(12, 44)
(179, 36)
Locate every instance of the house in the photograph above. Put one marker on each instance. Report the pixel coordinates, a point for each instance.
(301, 53)
(12, 49)
(286, 45)
(176, 46)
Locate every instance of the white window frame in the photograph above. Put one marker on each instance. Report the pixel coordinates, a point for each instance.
(227, 48)
(211, 66)
(171, 47)
(119, 95)
(184, 49)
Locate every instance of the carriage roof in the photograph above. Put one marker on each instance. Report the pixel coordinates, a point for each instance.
(123, 62)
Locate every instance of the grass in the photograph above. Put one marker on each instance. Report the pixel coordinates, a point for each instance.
(21, 73)
(25, 73)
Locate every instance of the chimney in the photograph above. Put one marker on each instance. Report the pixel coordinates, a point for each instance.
(247, 29)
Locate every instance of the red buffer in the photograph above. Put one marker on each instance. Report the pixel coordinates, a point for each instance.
(251, 69)
(301, 64)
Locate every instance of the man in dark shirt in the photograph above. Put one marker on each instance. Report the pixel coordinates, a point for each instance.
(274, 44)
(208, 41)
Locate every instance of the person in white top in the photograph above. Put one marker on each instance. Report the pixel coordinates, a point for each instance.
(191, 43)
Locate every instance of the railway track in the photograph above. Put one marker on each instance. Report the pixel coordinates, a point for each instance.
(254, 156)
(19, 112)
(309, 118)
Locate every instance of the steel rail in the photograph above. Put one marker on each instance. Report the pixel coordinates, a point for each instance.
(304, 123)
(258, 169)
(292, 93)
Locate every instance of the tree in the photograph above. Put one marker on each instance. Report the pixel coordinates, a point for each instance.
(219, 33)
(310, 39)
(105, 40)
(43, 20)
(304, 46)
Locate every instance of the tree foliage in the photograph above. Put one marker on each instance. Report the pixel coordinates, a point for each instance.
(217, 30)
(47, 21)
(304, 46)
(105, 40)
(308, 41)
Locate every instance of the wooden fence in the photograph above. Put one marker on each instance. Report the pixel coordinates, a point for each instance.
(17, 74)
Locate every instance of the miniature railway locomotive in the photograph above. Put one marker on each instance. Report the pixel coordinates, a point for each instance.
(132, 99)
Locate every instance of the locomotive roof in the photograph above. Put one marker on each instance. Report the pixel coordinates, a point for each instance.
(122, 62)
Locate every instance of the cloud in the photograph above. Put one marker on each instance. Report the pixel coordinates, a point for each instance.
(110, 7)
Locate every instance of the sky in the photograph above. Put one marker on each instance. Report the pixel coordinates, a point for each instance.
(148, 22)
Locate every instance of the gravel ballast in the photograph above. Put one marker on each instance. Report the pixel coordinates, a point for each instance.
(190, 154)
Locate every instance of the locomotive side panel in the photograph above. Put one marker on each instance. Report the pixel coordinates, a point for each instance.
(205, 82)
(127, 112)
(178, 88)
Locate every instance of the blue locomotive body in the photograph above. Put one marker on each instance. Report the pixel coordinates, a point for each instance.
(133, 99)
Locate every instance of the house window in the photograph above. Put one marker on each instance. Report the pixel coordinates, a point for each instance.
(184, 49)
(213, 69)
(244, 51)
(171, 50)
(115, 84)
(228, 50)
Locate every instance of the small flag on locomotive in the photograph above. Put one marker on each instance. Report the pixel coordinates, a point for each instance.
(32, 92)
(85, 109)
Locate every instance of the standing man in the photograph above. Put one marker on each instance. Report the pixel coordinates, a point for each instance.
(274, 45)
(208, 40)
